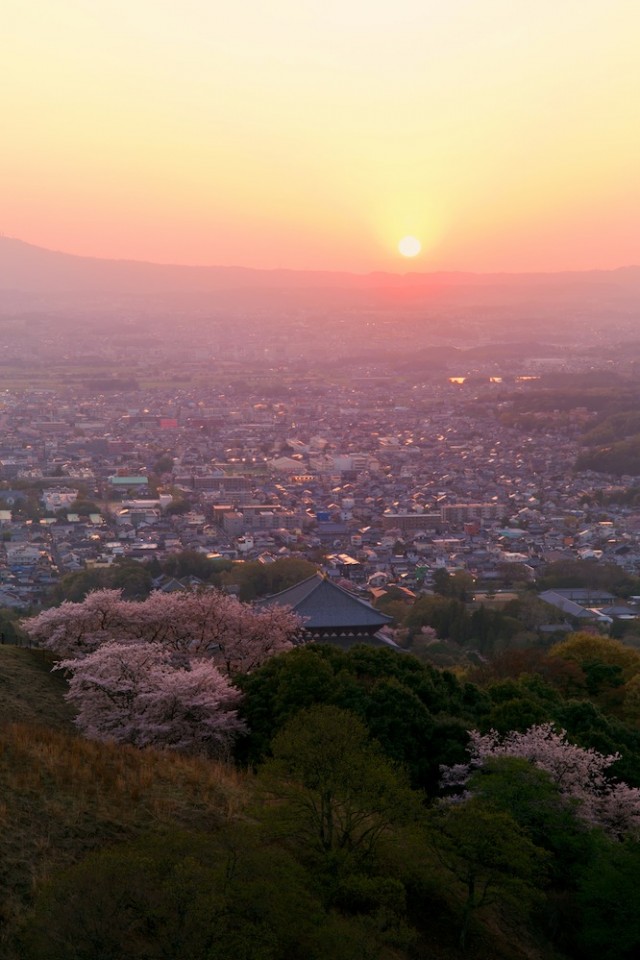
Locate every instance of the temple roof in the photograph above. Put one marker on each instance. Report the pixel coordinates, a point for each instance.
(322, 604)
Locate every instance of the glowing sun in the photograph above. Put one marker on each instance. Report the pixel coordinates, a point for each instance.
(409, 246)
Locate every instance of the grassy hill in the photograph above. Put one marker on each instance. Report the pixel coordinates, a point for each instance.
(65, 802)
(62, 797)
(30, 692)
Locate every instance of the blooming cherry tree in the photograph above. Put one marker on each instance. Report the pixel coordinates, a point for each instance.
(157, 672)
(136, 693)
(74, 629)
(208, 624)
(580, 774)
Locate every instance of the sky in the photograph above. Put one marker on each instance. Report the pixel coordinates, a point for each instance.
(315, 134)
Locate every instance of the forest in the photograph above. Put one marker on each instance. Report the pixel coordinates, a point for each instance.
(193, 780)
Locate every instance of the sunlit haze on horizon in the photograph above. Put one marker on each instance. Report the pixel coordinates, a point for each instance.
(317, 135)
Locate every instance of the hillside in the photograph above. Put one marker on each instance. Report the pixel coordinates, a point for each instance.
(64, 797)
(323, 850)
(30, 692)
(88, 820)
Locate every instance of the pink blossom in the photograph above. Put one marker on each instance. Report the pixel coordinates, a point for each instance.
(137, 693)
(581, 774)
(77, 628)
(198, 624)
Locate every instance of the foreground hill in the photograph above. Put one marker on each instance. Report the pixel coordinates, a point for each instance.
(94, 831)
(64, 797)
(30, 692)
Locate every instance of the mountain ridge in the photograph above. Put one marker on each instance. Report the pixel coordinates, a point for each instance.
(33, 271)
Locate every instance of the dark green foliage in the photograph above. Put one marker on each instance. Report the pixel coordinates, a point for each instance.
(337, 793)
(602, 676)
(618, 426)
(517, 787)
(518, 704)
(178, 508)
(391, 708)
(517, 714)
(83, 507)
(459, 585)
(590, 574)
(588, 726)
(163, 464)
(447, 616)
(530, 612)
(338, 803)
(10, 629)
(491, 629)
(482, 629)
(488, 855)
(622, 457)
(605, 399)
(201, 896)
(132, 578)
(609, 898)
(418, 714)
(528, 794)
(380, 904)
(625, 496)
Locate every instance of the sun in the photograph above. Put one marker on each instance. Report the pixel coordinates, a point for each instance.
(409, 246)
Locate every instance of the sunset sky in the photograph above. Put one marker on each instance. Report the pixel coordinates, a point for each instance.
(503, 134)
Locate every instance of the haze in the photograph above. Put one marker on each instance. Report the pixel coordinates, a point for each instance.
(316, 135)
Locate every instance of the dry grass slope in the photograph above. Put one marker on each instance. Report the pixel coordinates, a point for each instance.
(30, 692)
(62, 796)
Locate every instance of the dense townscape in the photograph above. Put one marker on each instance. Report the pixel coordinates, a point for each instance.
(377, 481)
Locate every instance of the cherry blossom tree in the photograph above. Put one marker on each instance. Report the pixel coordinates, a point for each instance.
(140, 693)
(580, 774)
(213, 624)
(207, 624)
(74, 629)
(157, 672)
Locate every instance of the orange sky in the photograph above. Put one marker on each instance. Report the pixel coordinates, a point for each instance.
(316, 133)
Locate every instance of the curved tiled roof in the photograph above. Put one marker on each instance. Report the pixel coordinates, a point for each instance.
(322, 604)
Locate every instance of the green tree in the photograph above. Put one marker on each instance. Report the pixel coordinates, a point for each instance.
(199, 896)
(10, 629)
(336, 793)
(459, 585)
(129, 576)
(163, 464)
(191, 563)
(609, 903)
(83, 507)
(178, 508)
(489, 857)
(515, 786)
(419, 715)
(448, 617)
(590, 574)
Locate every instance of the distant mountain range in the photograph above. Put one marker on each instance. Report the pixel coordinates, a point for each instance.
(28, 272)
